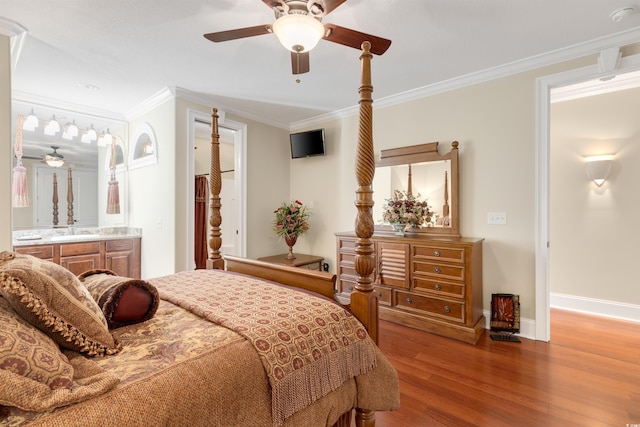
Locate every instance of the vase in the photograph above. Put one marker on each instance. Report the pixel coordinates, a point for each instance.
(399, 229)
(290, 241)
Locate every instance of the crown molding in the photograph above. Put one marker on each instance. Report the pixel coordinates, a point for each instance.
(154, 101)
(210, 100)
(76, 109)
(538, 61)
(17, 33)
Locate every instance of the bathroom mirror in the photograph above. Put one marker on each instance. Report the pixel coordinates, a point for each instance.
(422, 171)
(84, 156)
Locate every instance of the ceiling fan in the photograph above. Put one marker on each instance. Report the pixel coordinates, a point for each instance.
(299, 27)
(53, 159)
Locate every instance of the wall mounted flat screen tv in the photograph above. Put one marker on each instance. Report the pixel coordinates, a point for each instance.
(306, 144)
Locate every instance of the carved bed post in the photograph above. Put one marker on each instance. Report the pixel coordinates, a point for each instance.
(363, 299)
(55, 199)
(69, 198)
(215, 185)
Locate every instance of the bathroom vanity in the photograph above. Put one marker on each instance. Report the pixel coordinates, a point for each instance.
(84, 250)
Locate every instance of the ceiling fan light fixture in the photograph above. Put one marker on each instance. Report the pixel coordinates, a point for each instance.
(298, 33)
(55, 159)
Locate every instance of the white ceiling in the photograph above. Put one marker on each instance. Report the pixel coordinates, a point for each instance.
(131, 50)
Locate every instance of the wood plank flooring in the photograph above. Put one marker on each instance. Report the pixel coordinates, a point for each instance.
(587, 375)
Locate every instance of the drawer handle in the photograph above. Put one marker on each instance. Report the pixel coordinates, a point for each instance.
(34, 252)
(436, 287)
(409, 300)
(437, 269)
(350, 288)
(447, 309)
(436, 253)
(379, 294)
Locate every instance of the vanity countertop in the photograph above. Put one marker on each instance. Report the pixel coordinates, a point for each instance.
(63, 235)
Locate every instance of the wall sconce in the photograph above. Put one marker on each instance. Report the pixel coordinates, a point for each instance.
(598, 168)
(70, 130)
(89, 136)
(52, 127)
(105, 139)
(31, 122)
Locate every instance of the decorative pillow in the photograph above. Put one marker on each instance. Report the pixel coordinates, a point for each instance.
(26, 388)
(124, 301)
(54, 300)
(27, 352)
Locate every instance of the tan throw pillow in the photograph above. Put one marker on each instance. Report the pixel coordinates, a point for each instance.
(36, 376)
(124, 301)
(27, 352)
(54, 300)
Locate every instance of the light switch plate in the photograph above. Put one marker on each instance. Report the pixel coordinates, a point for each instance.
(497, 218)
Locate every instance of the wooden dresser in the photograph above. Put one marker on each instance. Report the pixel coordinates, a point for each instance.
(429, 283)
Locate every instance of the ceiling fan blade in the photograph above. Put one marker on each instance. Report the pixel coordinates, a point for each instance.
(354, 39)
(240, 33)
(300, 62)
(318, 8)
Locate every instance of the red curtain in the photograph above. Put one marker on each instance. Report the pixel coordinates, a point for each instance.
(201, 249)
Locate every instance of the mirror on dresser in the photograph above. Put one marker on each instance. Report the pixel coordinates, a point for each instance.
(85, 160)
(425, 173)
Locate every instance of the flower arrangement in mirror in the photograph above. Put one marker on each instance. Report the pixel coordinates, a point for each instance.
(404, 209)
(292, 220)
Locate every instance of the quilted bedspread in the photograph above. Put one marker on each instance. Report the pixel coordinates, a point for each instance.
(308, 345)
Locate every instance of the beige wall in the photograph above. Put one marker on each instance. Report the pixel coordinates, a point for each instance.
(6, 162)
(494, 122)
(591, 228)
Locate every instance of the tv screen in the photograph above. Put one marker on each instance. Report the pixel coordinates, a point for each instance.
(306, 144)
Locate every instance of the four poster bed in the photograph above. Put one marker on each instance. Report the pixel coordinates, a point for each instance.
(196, 356)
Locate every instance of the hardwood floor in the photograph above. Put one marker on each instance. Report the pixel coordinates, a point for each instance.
(587, 375)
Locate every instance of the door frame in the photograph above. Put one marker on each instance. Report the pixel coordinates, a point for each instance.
(544, 85)
(240, 176)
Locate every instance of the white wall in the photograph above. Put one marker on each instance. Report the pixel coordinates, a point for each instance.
(152, 194)
(592, 248)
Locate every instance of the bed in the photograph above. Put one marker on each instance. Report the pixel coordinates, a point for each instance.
(227, 346)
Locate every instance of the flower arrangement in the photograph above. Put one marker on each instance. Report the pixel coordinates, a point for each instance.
(405, 208)
(292, 219)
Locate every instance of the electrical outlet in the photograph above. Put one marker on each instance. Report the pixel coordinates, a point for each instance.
(497, 218)
(325, 266)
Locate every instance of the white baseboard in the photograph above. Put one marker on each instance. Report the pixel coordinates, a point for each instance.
(598, 307)
(593, 306)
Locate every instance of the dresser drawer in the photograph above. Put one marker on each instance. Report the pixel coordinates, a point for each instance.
(421, 252)
(446, 309)
(437, 270)
(384, 295)
(42, 252)
(439, 287)
(346, 245)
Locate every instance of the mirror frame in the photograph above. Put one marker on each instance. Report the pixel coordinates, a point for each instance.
(424, 153)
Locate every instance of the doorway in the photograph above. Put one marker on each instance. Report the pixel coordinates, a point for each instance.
(544, 86)
(233, 194)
